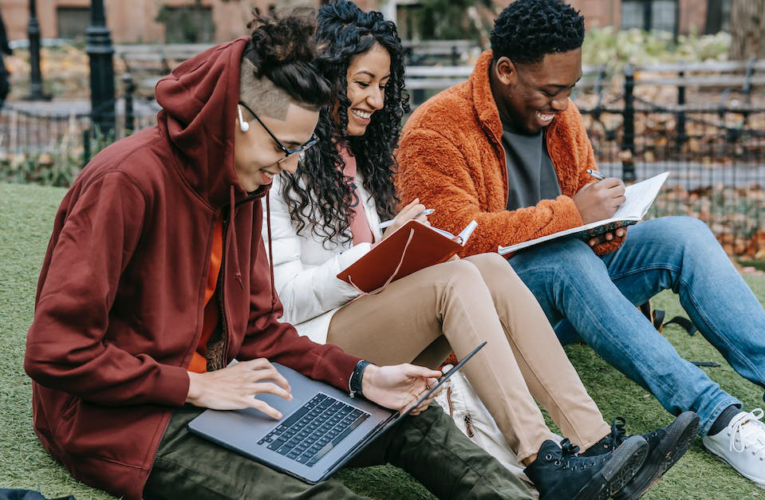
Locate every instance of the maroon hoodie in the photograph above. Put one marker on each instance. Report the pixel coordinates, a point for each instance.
(119, 304)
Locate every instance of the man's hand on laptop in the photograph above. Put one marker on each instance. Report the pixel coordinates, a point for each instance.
(599, 200)
(400, 386)
(234, 387)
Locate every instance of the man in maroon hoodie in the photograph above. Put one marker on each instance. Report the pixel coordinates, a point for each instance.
(156, 278)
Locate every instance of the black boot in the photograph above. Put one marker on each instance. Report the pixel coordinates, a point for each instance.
(560, 474)
(665, 447)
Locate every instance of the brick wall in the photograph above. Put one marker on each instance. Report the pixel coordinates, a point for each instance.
(600, 13)
(597, 13)
(693, 14)
(132, 21)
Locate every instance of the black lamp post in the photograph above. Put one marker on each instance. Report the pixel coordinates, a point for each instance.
(100, 51)
(35, 80)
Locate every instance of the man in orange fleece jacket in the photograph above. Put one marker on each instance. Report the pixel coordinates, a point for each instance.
(509, 149)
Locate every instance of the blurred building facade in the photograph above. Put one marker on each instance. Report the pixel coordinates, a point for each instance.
(207, 21)
(674, 16)
(141, 21)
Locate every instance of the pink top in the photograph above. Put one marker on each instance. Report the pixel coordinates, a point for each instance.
(360, 229)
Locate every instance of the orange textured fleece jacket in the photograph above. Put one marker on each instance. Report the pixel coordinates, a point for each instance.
(451, 157)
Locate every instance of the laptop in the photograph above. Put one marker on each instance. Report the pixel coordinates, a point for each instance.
(322, 427)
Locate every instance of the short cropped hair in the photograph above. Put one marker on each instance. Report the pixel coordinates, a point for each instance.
(528, 30)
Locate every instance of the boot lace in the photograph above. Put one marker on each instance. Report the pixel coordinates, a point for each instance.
(568, 449)
(571, 460)
(748, 433)
(618, 433)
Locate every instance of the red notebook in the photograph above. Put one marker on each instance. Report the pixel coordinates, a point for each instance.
(412, 247)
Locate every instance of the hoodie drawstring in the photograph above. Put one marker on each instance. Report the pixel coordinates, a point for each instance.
(232, 232)
(270, 252)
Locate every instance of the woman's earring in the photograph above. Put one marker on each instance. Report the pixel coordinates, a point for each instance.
(243, 125)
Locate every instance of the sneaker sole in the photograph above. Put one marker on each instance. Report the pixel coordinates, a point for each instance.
(680, 435)
(757, 482)
(626, 461)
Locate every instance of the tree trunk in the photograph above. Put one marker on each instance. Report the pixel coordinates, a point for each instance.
(747, 27)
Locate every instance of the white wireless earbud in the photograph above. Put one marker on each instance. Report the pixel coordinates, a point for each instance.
(243, 125)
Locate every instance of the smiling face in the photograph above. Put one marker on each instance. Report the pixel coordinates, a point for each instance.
(529, 96)
(257, 157)
(367, 76)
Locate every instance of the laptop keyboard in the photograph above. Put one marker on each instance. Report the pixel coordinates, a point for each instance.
(313, 430)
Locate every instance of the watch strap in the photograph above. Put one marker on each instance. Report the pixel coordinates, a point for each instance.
(354, 384)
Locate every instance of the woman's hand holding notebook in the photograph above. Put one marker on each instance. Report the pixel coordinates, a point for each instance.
(411, 247)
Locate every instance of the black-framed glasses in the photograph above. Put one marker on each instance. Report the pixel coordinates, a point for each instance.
(287, 151)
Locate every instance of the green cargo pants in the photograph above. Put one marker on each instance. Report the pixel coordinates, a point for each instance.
(428, 446)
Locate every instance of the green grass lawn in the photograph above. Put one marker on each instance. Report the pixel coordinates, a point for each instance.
(26, 216)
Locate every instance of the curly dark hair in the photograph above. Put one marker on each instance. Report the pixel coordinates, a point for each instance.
(282, 48)
(318, 194)
(527, 30)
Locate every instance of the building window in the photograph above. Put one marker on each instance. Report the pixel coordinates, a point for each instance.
(72, 22)
(192, 24)
(718, 16)
(726, 16)
(650, 15)
(408, 22)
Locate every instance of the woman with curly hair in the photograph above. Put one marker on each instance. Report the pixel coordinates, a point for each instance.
(326, 215)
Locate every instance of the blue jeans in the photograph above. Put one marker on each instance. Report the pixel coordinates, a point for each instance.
(597, 297)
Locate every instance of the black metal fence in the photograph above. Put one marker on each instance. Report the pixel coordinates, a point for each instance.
(65, 139)
(713, 147)
(32, 132)
(717, 167)
(712, 140)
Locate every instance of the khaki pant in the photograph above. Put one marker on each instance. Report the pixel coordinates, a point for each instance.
(457, 305)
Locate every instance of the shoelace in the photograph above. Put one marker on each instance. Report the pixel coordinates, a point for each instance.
(751, 433)
(568, 448)
(618, 433)
(570, 451)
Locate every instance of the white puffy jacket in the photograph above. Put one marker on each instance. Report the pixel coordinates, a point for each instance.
(305, 269)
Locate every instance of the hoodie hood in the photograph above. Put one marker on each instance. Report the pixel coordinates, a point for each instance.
(198, 116)
(199, 100)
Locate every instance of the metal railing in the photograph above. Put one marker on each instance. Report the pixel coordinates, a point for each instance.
(708, 130)
(717, 164)
(41, 143)
(714, 146)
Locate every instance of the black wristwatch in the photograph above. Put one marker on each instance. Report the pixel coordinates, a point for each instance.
(354, 384)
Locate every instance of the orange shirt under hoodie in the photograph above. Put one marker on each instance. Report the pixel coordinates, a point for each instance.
(212, 311)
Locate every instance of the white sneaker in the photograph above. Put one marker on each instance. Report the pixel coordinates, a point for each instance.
(742, 445)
